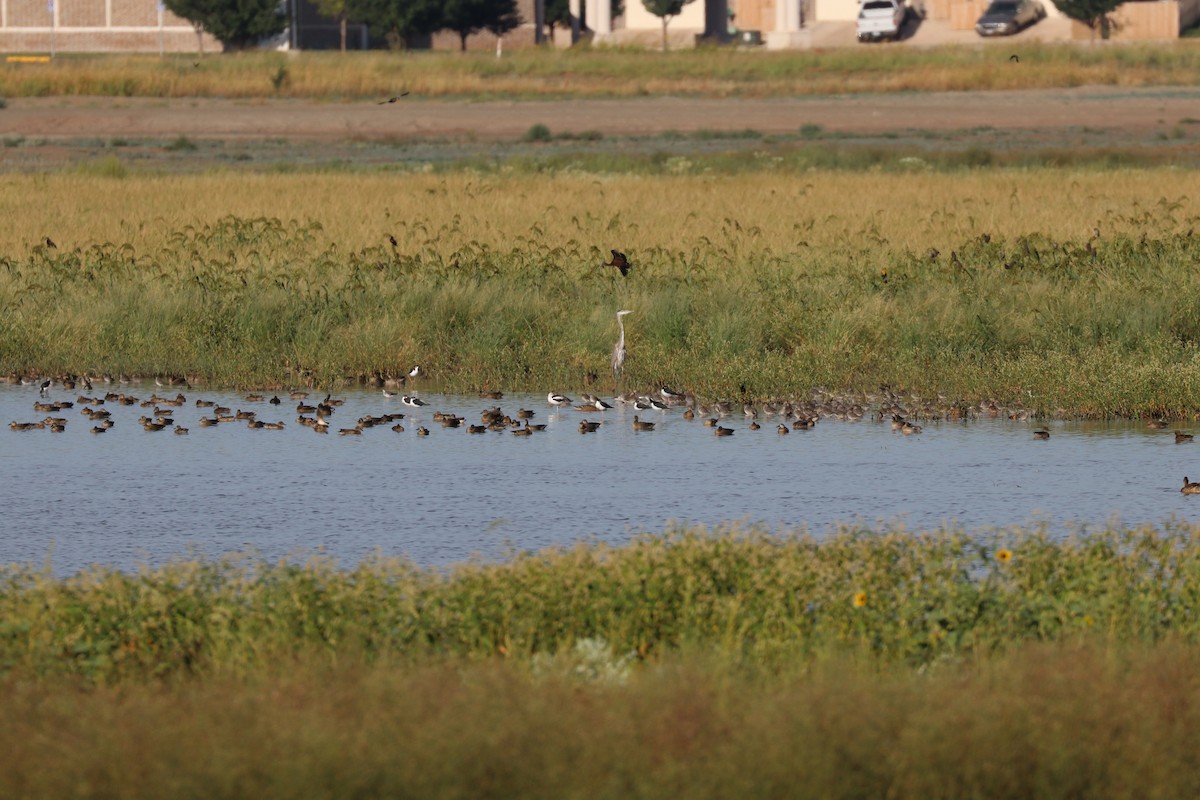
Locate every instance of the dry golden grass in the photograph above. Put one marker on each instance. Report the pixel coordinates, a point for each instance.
(607, 73)
(764, 211)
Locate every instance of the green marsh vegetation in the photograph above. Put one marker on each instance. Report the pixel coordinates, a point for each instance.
(701, 663)
(586, 72)
(776, 280)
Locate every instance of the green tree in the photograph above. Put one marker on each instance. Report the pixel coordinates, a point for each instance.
(665, 10)
(465, 17)
(1096, 14)
(338, 9)
(238, 24)
(398, 19)
(558, 12)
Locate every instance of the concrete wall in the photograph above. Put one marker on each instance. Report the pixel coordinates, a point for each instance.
(95, 26)
(691, 19)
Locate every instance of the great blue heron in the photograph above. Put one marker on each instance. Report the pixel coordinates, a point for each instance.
(618, 354)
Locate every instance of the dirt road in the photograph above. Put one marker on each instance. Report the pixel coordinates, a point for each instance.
(42, 134)
(1121, 111)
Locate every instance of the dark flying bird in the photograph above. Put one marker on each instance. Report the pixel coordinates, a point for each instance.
(50, 243)
(1016, 59)
(620, 262)
(393, 98)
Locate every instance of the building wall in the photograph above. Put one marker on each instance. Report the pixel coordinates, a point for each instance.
(1162, 19)
(691, 19)
(95, 26)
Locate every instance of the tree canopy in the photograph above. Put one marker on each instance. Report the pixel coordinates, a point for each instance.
(238, 24)
(665, 10)
(465, 17)
(1096, 14)
(399, 19)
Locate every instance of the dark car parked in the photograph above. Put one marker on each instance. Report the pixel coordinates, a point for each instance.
(1004, 17)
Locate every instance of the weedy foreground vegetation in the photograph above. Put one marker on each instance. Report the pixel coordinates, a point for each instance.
(697, 663)
(1068, 291)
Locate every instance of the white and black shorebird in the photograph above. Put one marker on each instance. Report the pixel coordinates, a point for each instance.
(596, 402)
(411, 400)
(669, 394)
(45, 386)
(416, 372)
(556, 399)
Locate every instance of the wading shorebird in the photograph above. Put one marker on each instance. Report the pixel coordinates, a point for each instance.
(618, 354)
(556, 399)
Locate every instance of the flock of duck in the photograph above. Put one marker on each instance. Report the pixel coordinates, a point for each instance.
(159, 412)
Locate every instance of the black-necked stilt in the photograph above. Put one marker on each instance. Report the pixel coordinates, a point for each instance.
(415, 402)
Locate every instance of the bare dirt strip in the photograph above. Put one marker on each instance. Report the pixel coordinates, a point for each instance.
(1132, 110)
(68, 128)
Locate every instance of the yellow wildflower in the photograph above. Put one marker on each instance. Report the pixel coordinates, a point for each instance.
(860, 599)
(1004, 556)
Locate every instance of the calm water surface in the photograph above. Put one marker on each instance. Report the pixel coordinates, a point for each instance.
(129, 497)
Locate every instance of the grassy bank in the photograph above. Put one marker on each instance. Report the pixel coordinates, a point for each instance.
(609, 73)
(1041, 722)
(732, 663)
(777, 281)
(890, 597)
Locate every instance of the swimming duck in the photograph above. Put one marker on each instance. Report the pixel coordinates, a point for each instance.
(638, 425)
(1189, 487)
(1181, 437)
(1041, 434)
(719, 431)
(782, 429)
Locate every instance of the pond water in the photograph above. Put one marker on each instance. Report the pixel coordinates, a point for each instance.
(130, 497)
